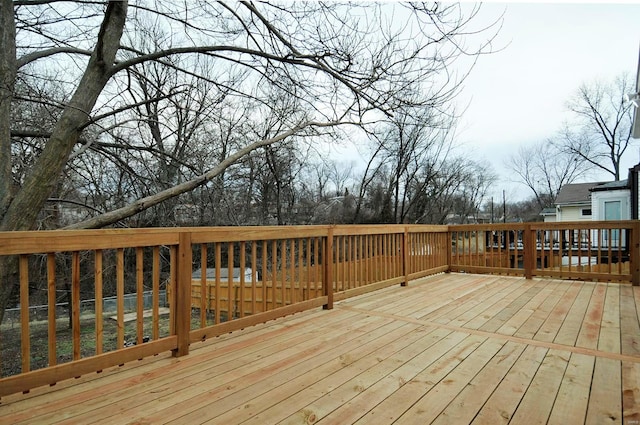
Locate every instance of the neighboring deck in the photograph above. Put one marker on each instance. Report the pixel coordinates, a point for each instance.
(452, 348)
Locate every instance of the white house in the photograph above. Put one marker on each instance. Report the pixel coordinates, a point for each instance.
(616, 200)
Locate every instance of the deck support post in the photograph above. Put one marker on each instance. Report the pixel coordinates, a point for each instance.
(183, 294)
(327, 275)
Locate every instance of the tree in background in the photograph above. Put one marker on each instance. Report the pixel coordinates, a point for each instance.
(601, 132)
(546, 167)
(120, 70)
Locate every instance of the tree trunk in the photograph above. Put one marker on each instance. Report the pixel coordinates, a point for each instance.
(7, 81)
(24, 208)
(21, 211)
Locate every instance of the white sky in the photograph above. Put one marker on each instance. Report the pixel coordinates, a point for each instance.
(518, 96)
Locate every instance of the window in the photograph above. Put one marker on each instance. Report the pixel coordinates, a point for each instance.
(586, 211)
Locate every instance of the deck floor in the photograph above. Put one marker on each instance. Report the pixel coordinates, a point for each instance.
(448, 349)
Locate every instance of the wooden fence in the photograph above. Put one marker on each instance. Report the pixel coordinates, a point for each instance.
(291, 269)
(589, 250)
(284, 270)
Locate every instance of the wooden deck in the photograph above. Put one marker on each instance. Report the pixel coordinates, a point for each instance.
(452, 348)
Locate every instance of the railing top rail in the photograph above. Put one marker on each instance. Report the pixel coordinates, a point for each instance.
(13, 243)
(564, 225)
(26, 242)
(378, 229)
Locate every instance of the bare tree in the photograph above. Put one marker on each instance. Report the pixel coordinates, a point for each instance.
(546, 167)
(341, 65)
(601, 133)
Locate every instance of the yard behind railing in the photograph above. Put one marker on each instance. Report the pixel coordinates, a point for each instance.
(281, 271)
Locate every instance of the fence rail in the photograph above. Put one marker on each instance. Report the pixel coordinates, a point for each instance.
(281, 270)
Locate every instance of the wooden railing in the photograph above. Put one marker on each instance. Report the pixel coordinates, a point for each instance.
(589, 250)
(280, 271)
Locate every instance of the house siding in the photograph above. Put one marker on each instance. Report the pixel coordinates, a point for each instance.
(572, 213)
(598, 200)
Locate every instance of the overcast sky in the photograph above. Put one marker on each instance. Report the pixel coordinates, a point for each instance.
(518, 96)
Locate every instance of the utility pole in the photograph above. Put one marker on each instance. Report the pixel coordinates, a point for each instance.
(504, 207)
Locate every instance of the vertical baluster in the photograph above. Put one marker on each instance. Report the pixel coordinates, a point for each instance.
(218, 259)
(156, 293)
(25, 334)
(230, 283)
(308, 268)
(243, 262)
(51, 301)
(173, 279)
(75, 303)
(254, 271)
(97, 272)
(204, 287)
(139, 295)
(292, 268)
(274, 274)
(120, 296)
(264, 276)
(316, 267)
(300, 279)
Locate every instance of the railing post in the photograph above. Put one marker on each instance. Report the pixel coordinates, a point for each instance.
(449, 237)
(634, 253)
(529, 252)
(183, 294)
(327, 275)
(405, 256)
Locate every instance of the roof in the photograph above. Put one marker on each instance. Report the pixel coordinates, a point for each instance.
(548, 211)
(580, 193)
(576, 193)
(620, 184)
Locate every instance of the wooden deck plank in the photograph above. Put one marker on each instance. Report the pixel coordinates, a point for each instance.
(605, 400)
(118, 375)
(629, 325)
(514, 307)
(364, 401)
(442, 304)
(537, 402)
(573, 397)
(541, 314)
(463, 409)
(186, 370)
(434, 401)
(630, 393)
(276, 401)
(356, 378)
(503, 402)
(551, 326)
(403, 398)
(446, 349)
(590, 329)
(220, 376)
(478, 315)
(610, 324)
(452, 309)
(568, 332)
(522, 314)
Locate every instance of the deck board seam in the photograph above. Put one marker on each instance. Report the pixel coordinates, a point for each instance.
(543, 344)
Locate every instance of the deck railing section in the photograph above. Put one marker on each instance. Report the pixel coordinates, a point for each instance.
(82, 337)
(589, 250)
(280, 271)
